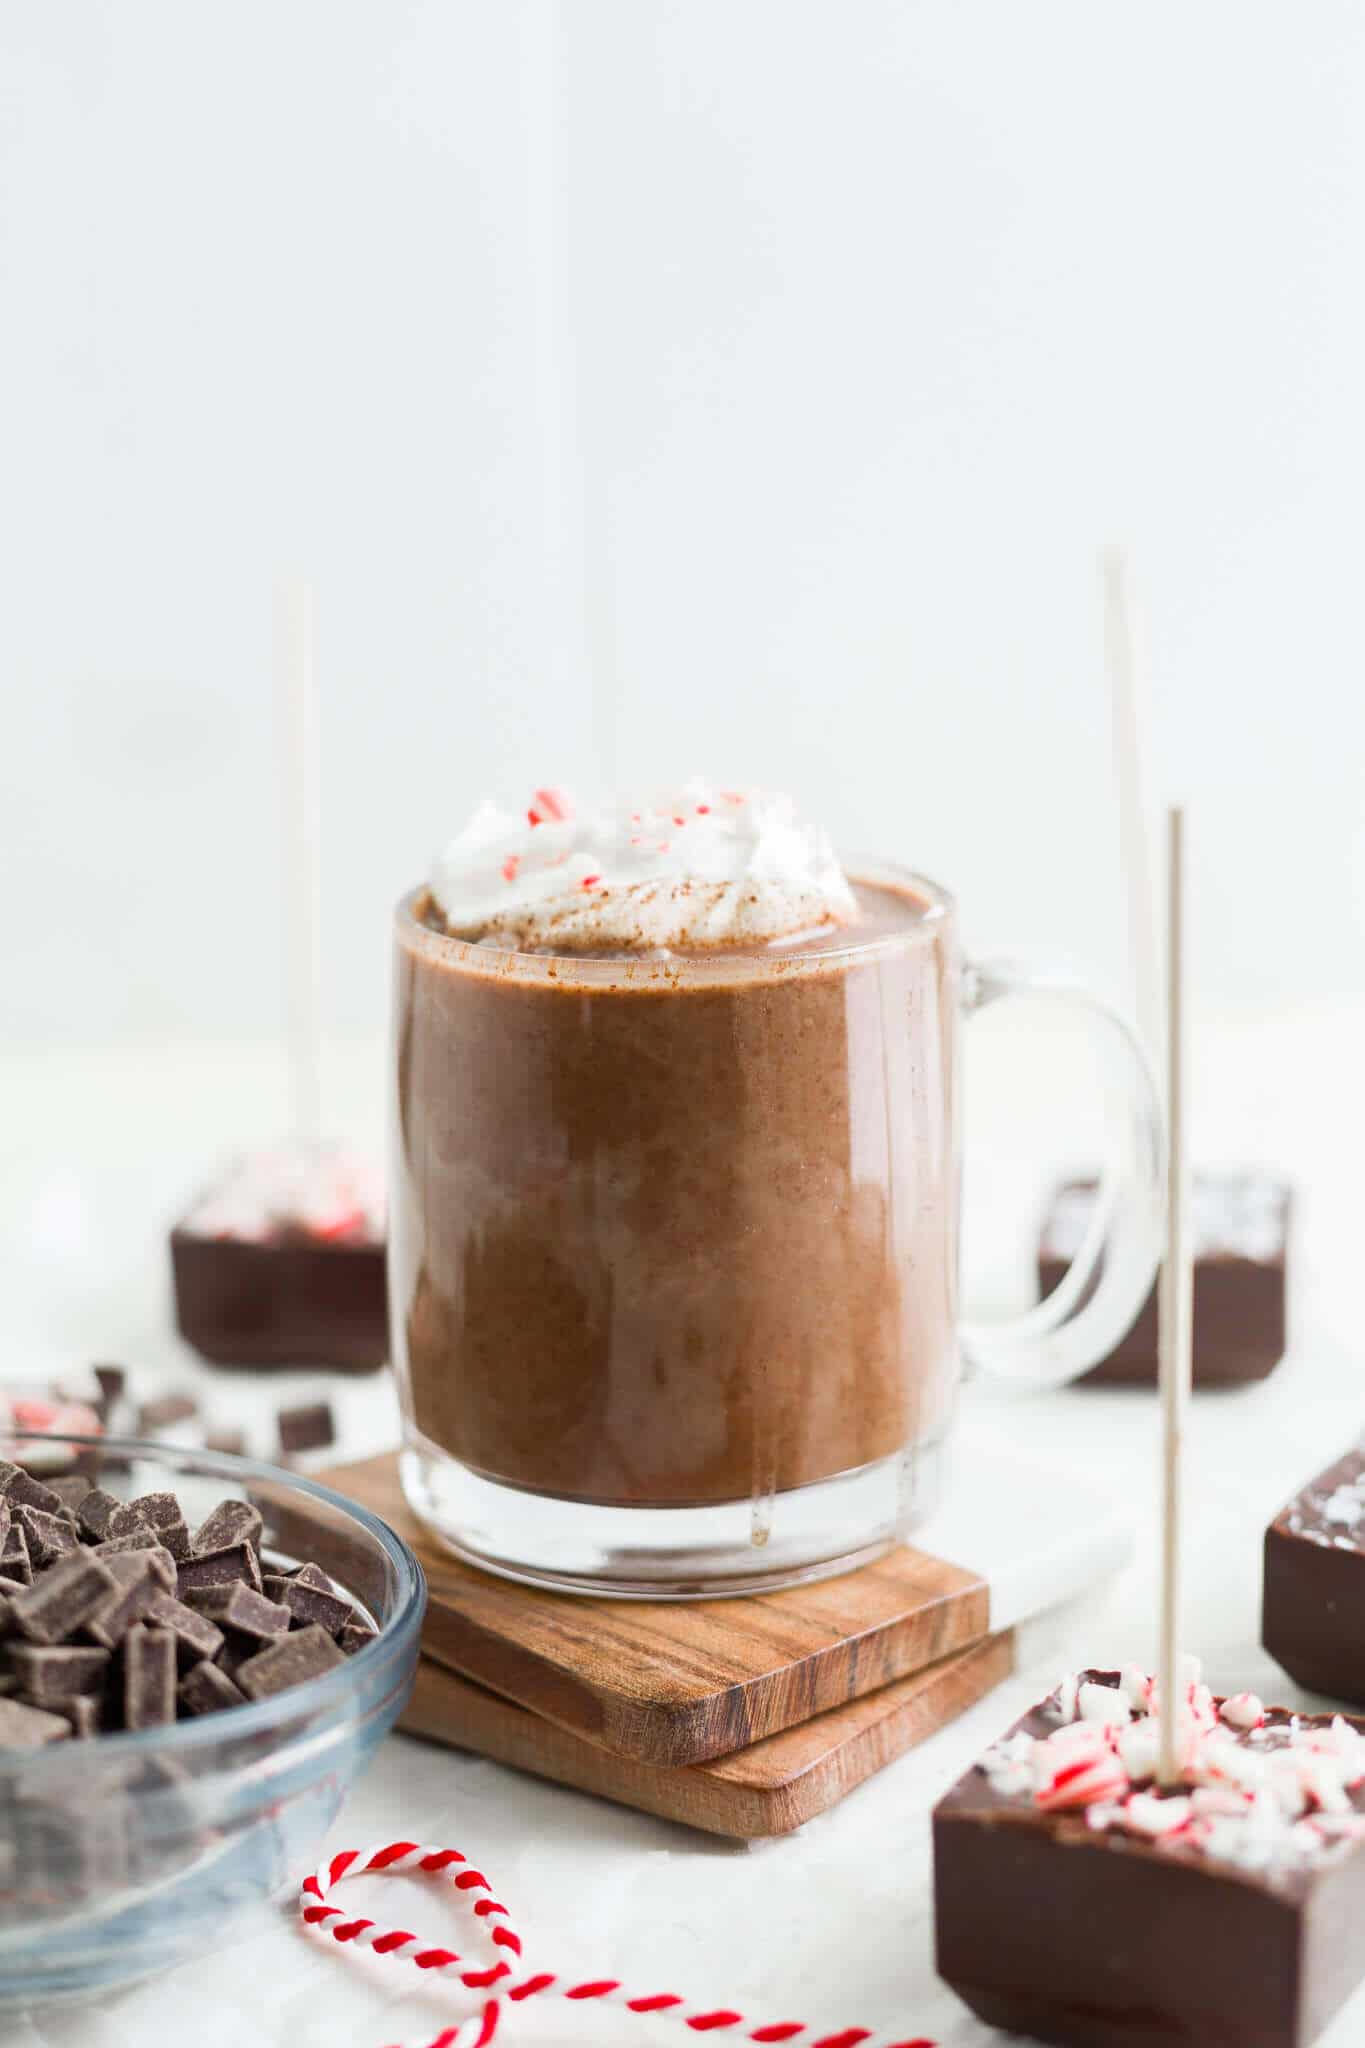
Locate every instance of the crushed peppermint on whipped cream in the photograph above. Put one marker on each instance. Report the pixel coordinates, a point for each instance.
(701, 869)
(1265, 1791)
(320, 1192)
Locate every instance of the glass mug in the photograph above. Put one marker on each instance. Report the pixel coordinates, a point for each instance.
(673, 1246)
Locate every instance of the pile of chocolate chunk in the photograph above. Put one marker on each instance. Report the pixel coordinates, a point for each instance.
(116, 1615)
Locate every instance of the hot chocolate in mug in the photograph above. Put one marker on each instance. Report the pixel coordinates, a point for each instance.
(673, 1250)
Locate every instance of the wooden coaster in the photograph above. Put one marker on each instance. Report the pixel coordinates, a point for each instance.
(767, 1789)
(678, 1683)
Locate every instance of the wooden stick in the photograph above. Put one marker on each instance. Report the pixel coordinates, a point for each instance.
(1176, 1304)
(296, 685)
(1135, 835)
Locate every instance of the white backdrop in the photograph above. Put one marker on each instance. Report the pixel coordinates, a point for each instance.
(653, 386)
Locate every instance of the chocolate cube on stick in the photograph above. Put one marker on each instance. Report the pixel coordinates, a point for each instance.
(1313, 1588)
(1240, 1228)
(1077, 1903)
(80, 1711)
(282, 1264)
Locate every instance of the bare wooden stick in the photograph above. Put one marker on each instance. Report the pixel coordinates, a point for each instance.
(1135, 832)
(1176, 1303)
(297, 689)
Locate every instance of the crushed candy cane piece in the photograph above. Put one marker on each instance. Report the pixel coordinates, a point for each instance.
(1105, 1703)
(1243, 1710)
(1148, 1814)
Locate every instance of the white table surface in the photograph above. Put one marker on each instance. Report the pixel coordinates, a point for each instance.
(831, 1925)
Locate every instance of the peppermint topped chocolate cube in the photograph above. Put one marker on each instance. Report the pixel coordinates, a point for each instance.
(1079, 1902)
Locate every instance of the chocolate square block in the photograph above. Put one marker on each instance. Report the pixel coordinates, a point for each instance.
(1241, 1225)
(1075, 1904)
(283, 1265)
(1313, 1584)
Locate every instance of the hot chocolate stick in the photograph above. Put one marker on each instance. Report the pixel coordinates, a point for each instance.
(1177, 1277)
(1135, 838)
(296, 682)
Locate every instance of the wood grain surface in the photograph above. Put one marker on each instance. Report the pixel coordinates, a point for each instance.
(679, 1683)
(767, 1789)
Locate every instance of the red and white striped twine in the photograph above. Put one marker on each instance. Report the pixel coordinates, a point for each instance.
(505, 1982)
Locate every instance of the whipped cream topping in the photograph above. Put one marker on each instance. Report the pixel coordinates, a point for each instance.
(701, 869)
(1258, 1791)
(323, 1192)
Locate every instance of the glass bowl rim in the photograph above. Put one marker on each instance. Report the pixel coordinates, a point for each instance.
(328, 1689)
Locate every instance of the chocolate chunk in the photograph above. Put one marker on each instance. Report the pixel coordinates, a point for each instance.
(46, 1675)
(206, 1689)
(232, 1441)
(6, 1513)
(95, 1512)
(162, 1510)
(220, 1568)
(159, 1512)
(142, 1537)
(111, 1379)
(15, 1562)
(21, 1490)
(196, 1636)
(300, 1655)
(232, 1521)
(48, 1536)
(307, 1602)
(309, 1427)
(24, 1727)
(355, 1635)
(62, 1599)
(164, 1412)
(175, 1537)
(72, 1490)
(80, 1712)
(148, 1677)
(239, 1608)
(138, 1578)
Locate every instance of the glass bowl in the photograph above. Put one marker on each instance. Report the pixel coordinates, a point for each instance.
(124, 1854)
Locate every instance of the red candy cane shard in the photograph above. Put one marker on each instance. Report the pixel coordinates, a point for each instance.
(549, 804)
(486, 2014)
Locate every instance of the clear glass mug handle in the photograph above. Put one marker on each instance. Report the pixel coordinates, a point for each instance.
(1084, 1317)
